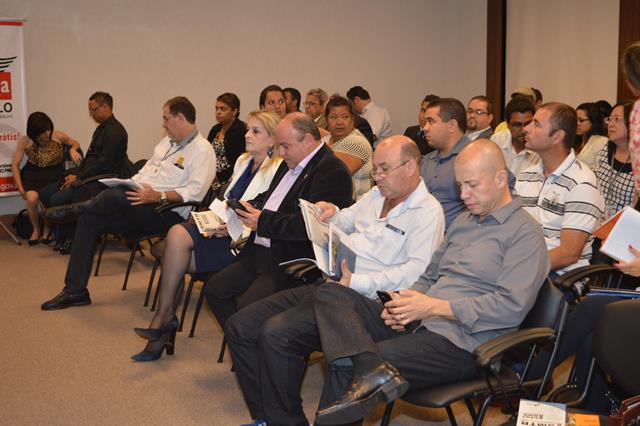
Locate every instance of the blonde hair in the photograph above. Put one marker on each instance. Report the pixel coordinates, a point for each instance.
(269, 121)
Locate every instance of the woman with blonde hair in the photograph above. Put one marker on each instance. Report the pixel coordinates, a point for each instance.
(187, 250)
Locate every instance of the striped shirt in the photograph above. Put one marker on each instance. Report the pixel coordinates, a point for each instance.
(566, 199)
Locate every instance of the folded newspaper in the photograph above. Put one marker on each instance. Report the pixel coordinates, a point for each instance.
(113, 182)
(330, 245)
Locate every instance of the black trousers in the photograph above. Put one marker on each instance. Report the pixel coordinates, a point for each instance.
(110, 212)
(252, 276)
(269, 339)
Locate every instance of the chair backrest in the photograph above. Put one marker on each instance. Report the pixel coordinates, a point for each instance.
(546, 312)
(616, 344)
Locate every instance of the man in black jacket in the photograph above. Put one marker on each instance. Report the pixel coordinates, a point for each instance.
(107, 154)
(309, 171)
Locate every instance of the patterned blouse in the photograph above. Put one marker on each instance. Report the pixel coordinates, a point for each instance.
(615, 180)
(45, 155)
(357, 145)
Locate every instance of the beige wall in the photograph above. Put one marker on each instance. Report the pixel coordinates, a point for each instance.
(568, 49)
(144, 52)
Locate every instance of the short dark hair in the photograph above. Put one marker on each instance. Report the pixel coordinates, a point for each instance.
(564, 118)
(604, 107)
(38, 123)
(595, 117)
(538, 94)
(358, 91)
(627, 106)
(451, 109)
(266, 90)
(484, 99)
(102, 98)
(430, 98)
(304, 124)
(295, 93)
(231, 100)
(338, 101)
(182, 105)
(519, 104)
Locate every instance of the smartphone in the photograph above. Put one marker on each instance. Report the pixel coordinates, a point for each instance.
(383, 296)
(235, 204)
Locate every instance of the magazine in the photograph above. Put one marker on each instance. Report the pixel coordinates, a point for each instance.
(113, 182)
(330, 245)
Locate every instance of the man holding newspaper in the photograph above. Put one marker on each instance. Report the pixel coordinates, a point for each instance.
(393, 231)
(181, 169)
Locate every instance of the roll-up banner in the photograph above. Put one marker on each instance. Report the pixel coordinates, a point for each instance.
(13, 109)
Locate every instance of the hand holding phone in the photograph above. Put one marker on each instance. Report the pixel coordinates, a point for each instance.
(236, 205)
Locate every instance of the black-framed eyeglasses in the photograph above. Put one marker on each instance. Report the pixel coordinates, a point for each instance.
(385, 170)
(93, 110)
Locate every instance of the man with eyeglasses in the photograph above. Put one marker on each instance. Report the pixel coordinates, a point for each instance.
(181, 169)
(518, 114)
(560, 192)
(314, 106)
(394, 230)
(107, 154)
(479, 117)
(445, 128)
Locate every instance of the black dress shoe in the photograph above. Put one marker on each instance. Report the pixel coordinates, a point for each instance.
(384, 383)
(68, 212)
(67, 298)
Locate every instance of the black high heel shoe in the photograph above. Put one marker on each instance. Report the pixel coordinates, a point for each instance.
(156, 333)
(168, 343)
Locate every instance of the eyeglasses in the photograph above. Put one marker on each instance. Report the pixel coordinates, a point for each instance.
(311, 104)
(93, 110)
(611, 119)
(476, 111)
(384, 171)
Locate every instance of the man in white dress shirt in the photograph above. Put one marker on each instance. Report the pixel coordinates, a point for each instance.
(377, 116)
(518, 114)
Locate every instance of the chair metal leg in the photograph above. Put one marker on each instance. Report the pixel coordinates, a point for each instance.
(151, 279)
(157, 293)
(386, 417)
(102, 246)
(223, 346)
(185, 304)
(472, 409)
(452, 418)
(136, 245)
(197, 312)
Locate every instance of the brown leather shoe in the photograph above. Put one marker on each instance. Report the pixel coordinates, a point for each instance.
(384, 383)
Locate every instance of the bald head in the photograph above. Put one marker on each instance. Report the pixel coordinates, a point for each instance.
(482, 176)
(485, 153)
(405, 146)
(297, 136)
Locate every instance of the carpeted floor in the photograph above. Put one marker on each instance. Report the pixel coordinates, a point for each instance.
(72, 366)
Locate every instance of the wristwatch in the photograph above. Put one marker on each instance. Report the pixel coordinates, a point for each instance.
(163, 197)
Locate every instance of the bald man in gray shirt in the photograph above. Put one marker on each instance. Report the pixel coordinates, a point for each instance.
(480, 284)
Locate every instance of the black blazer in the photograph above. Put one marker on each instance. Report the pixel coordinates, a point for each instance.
(234, 145)
(325, 178)
(415, 134)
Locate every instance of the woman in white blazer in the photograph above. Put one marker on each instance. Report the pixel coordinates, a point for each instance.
(187, 250)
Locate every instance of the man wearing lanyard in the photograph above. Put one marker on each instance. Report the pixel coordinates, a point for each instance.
(181, 169)
(393, 229)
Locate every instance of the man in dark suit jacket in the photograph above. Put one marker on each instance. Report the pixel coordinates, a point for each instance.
(309, 171)
(416, 133)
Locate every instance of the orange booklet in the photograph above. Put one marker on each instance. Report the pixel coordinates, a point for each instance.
(605, 229)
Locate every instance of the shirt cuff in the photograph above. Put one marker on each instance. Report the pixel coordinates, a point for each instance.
(362, 284)
(465, 316)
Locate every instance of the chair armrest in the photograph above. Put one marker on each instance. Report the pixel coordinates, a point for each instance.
(169, 206)
(487, 352)
(566, 281)
(94, 178)
(299, 265)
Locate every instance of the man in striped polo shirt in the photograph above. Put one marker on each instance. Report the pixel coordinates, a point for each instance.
(560, 192)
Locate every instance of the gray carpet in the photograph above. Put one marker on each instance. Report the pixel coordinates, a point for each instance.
(72, 366)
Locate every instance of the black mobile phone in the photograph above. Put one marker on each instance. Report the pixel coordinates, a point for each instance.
(383, 296)
(235, 204)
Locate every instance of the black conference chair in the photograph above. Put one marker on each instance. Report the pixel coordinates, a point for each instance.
(543, 325)
(579, 282)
